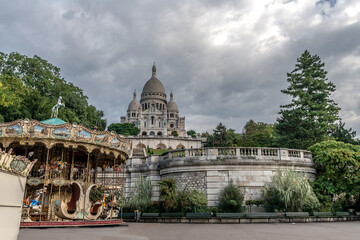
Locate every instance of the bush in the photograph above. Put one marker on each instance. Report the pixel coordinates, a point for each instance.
(290, 191)
(140, 197)
(191, 201)
(231, 199)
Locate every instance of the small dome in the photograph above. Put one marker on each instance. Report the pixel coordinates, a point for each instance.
(172, 107)
(153, 85)
(134, 104)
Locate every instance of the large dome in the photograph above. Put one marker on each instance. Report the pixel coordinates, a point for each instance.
(153, 85)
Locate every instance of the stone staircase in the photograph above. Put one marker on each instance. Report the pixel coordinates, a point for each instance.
(138, 152)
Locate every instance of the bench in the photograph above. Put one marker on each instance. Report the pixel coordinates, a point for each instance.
(127, 215)
(342, 214)
(172, 215)
(297, 214)
(199, 215)
(150, 215)
(323, 214)
(229, 215)
(261, 215)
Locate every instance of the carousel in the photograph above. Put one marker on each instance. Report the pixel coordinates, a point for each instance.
(78, 175)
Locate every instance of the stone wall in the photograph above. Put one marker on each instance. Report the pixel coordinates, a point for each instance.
(210, 170)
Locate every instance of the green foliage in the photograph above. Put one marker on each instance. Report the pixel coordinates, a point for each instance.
(338, 172)
(231, 199)
(257, 135)
(191, 201)
(168, 193)
(290, 191)
(124, 129)
(311, 113)
(222, 137)
(254, 202)
(35, 86)
(191, 133)
(342, 134)
(174, 133)
(140, 197)
(97, 194)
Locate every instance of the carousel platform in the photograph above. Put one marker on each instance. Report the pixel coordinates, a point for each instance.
(61, 224)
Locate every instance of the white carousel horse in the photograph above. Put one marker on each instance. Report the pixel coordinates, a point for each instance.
(55, 109)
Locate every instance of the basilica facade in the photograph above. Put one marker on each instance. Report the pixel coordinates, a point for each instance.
(154, 115)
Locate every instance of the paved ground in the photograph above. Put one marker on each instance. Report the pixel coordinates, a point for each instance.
(157, 231)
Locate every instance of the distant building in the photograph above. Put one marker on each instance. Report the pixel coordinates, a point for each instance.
(154, 115)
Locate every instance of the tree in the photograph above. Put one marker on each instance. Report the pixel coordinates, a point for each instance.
(222, 137)
(191, 133)
(338, 172)
(231, 199)
(124, 129)
(168, 193)
(257, 135)
(290, 191)
(344, 135)
(311, 113)
(36, 85)
(174, 133)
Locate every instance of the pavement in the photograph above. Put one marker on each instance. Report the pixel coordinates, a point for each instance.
(167, 231)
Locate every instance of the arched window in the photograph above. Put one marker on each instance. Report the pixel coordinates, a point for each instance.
(152, 120)
(159, 133)
(152, 133)
(144, 133)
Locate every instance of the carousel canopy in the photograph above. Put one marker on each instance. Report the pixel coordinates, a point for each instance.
(53, 121)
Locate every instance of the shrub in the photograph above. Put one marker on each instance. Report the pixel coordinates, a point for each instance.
(231, 199)
(168, 193)
(191, 201)
(290, 191)
(140, 196)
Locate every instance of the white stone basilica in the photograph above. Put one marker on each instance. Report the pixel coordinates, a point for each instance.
(154, 115)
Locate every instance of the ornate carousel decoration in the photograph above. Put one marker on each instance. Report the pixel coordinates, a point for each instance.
(79, 172)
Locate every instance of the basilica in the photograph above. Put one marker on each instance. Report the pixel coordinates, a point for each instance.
(154, 115)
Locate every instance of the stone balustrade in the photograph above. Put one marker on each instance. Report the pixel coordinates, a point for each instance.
(240, 152)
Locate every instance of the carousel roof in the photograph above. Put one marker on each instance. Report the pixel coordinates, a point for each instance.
(53, 121)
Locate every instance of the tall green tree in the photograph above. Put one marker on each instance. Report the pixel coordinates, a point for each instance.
(311, 113)
(37, 84)
(124, 129)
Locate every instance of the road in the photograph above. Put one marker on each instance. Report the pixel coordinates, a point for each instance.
(158, 231)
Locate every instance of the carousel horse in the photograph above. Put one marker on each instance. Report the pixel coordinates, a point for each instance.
(55, 109)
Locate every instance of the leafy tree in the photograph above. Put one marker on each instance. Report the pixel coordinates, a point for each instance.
(257, 135)
(290, 191)
(191, 133)
(231, 199)
(36, 85)
(311, 113)
(338, 172)
(124, 129)
(174, 133)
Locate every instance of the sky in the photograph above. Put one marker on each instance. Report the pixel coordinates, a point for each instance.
(225, 61)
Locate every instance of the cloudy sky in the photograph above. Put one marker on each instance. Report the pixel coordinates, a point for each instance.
(226, 61)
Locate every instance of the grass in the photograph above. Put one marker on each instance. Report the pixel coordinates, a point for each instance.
(158, 151)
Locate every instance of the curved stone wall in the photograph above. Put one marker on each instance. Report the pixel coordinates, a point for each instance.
(209, 170)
